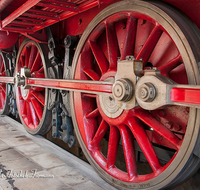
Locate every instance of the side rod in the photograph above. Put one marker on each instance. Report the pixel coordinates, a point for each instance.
(94, 87)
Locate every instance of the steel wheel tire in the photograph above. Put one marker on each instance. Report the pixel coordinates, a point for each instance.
(4, 99)
(184, 37)
(32, 104)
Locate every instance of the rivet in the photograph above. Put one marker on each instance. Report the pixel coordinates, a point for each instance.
(63, 114)
(63, 127)
(169, 125)
(177, 127)
(162, 113)
(157, 118)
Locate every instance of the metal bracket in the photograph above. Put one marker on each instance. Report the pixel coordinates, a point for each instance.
(125, 71)
(53, 53)
(56, 122)
(70, 44)
(67, 127)
(9, 72)
(62, 125)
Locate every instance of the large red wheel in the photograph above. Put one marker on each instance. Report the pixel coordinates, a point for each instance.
(162, 38)
(4, 100)
(32, 103)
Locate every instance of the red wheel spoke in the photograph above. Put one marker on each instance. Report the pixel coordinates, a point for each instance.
(89, 95)
(86, 58)
(103, 128)
(28, 114)
(27, 55)
(38, 108)
(129, 150)
(38, 75)
(148, 119)
(129, 40)
(41, 70)
(3, 88)
(33, 54)
(3, 95)
(113, 146)
(23, 107)
(37, 63)
(150, 44)
(3, 73)
(33, 115)
(2, 101)
(112, 44)
(1, 106)
(99, 56)
(93, 114)
(167, 67)
(22, 61)
(1, 66)
(39, 97)
(92, 74)
(145, 144)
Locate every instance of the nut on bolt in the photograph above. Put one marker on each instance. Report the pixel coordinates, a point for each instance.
(147, 92)
(123, 90)
(19, 80)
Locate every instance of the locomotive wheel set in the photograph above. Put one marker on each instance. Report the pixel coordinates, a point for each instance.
(124, 75)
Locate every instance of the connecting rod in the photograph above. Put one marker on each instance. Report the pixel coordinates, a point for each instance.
(129, 89)
(24, 79)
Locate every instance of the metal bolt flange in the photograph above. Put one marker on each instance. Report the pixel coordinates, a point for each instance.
(123, 90)
(19, 80)
(147, 92)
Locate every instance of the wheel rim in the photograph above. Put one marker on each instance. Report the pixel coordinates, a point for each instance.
(97, 60)
(31, 102)
(2, 85)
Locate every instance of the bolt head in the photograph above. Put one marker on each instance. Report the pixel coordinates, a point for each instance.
(162, 113)
(177, 127)
(143, 92)
(123, 90)
(118, 90)
(169, 125)
(147, 92)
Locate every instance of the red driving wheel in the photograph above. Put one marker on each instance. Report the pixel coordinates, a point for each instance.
(156, 148)
(4, 108)
(31, 103)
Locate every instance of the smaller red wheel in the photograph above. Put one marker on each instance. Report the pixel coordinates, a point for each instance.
(4, 108)
(31, 103)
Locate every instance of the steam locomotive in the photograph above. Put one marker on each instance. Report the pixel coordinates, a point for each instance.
(121, 78)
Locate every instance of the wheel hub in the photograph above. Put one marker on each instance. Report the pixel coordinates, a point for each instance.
(108, 103)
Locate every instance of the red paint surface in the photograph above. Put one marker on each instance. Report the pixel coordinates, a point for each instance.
(186, 95)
